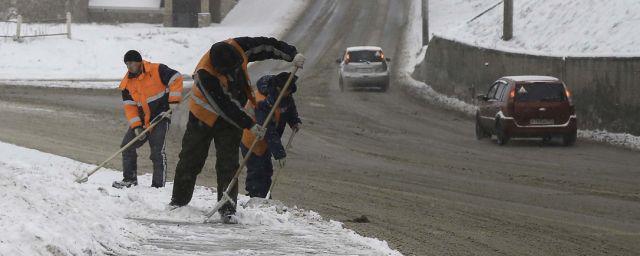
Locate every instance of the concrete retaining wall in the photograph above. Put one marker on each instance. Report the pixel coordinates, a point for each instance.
(606, 90)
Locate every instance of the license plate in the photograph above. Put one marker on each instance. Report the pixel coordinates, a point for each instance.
(365, 70)
(541, 121)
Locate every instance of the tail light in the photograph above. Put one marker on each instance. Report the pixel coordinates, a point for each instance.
(511, 101)
(347, 59)
(381, 55)
(568, 94)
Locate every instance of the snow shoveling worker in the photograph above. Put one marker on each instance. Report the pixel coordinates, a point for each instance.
(221, 89)
(259, 166)
(148, 91)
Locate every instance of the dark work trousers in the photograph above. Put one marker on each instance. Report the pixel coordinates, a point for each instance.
(156, 138)
(259, 172)
(195, 149)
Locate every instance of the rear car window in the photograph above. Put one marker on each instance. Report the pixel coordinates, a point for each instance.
(540, 92)
(365, 56)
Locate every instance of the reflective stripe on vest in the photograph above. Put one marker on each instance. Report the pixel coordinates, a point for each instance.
(207, 114)
(144, 89)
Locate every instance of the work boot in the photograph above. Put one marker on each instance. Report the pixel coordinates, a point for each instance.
(124, 183)
(228, 217)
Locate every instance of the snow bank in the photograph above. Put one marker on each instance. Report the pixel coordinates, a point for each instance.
(44, 212)
(412, 53)
(96, 51)
(557, 28)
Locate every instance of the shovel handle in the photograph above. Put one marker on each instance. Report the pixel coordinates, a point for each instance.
(255, 142)
(85, 176)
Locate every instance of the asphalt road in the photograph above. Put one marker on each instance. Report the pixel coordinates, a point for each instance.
(415, 170)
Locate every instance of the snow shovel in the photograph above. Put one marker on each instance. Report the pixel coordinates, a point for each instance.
(257, 200)
(225, 194)
(275, 179)
(84, 177)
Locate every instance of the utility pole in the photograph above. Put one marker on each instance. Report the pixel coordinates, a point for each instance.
(425, 22)
(507, 32)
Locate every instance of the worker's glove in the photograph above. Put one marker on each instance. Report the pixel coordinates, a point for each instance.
(280, 157)
(298, 60)
(280, 163)
(296, 127)
(258, 131)
(138, 130)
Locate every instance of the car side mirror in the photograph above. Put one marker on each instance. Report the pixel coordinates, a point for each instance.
(388, 59)
(482, 97)
(339, 60)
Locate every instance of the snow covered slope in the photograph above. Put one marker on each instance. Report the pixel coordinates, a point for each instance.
(556, 27)
(44, 212)
(96, 51)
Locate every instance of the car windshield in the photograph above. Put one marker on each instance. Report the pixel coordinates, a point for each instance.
(365, 56)
(540, 92)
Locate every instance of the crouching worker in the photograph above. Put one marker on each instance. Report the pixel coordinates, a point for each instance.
(259, 166)
(148, 91)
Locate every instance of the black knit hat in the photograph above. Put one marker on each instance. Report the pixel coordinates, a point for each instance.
(132, 55)
(281, 79)
(224, 57)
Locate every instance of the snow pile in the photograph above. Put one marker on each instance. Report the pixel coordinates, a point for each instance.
(619, 139)
(44, 212)
(558, 28)
(95, 51)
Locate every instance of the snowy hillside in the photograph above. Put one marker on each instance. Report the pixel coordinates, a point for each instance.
(556, 27)
(45, 212)
(95, 51)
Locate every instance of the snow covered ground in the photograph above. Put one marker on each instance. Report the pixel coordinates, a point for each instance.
(96, 51)
(44, 212)
(553, 27)
(447, 16)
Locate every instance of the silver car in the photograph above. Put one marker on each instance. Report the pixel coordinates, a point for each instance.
(363, 67)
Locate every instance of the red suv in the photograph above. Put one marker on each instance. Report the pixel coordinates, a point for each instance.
(527, 106)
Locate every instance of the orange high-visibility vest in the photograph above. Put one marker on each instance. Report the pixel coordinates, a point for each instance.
(146, 88)
(247, 136)
(199, 105)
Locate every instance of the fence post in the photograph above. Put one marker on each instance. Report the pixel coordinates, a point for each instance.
(18, 25)
(69, 25)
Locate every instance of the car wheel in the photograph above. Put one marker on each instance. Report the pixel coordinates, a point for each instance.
(569, 139)
(480, 133)
(341, 83)
(501, 135)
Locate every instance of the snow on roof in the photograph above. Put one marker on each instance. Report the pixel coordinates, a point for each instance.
(532, 78)
(125, 4)
(364, 48)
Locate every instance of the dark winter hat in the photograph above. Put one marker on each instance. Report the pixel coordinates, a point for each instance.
(132, 55)
(224, 57)
(281, 79)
